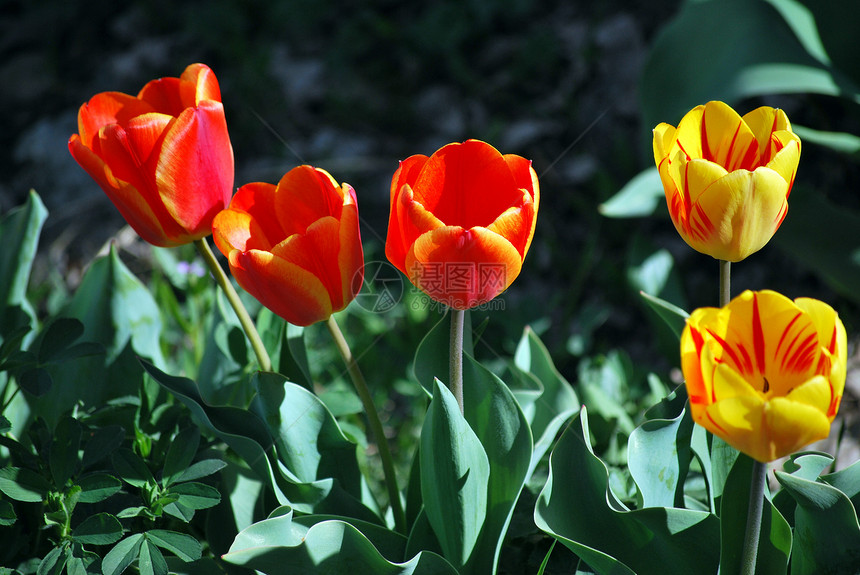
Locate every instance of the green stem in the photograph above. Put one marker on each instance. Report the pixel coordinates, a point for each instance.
(244, 319)
(756, 504)
(455, 381)
(725, 282)
(375, 424)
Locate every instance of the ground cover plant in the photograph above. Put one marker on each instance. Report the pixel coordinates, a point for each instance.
(328, 385)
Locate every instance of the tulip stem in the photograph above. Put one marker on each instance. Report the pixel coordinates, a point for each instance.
(455, 383)
(244, 319)
(374, 422)
(756, 505)
(725, 282)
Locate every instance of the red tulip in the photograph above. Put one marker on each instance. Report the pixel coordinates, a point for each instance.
(296, 247)
(163, 157)
(462, 221)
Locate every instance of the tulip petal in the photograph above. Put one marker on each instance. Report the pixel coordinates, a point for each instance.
(790, 426)
(160, 231)
(195, 167)
(785, 155)
(726, 139)
(816, 393)
(737, 420)
(746, 208)
(204, 81)
(466, 185)
(306, 194)
(235, 230)
(350, 257)
(764, 122)
(289, 291)
(258, 200)
(105, 109)
(516, 224)
(664, 138)
(462, 268)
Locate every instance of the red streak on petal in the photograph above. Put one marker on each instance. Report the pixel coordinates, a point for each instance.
(743, 367)
(785, 333)
(803, 355)
(758, 336)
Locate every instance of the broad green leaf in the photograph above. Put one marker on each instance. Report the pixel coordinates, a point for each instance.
(151, 561)
(278, 545)
(64, 450)
(675, 317)
(826, 531)
(766, 58)
(839, 141)
(117, 309)
(243, 431)
(775, 540)
(131, 468)
(195, 495)
(847, 481)
(182, 545)
(22, 484)
(122, 555)
(557, 401)
(98, 487)
(658, 459)
(311, 448)
(504, 433)
(836, 24)
(19, 236)
(180, 454)
(577, 507)
(834, 256)
(455, 473)
(99, 529)
(639, 197)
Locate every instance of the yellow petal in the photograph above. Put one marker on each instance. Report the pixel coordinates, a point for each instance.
(791, 425)
(746, 208)
(664, 138)
(738, 421)
(815, 393)
(727, 140)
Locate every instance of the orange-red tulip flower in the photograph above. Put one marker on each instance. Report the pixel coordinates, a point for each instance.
(765, 373)
(296, 246)
(727, 178)
(163, 157)
(462, 221)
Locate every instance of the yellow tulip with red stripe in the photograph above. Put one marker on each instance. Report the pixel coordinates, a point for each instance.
(295, 246)
(727, 178)
(163, 157)
(765, 373)
(462, 221)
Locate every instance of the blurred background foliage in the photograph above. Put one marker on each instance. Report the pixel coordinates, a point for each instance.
(355, 87)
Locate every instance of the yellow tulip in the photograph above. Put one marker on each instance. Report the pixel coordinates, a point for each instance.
(765, 373)
(727, 179)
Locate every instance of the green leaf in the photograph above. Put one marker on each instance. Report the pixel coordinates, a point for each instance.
(183, 546)
(98, 487)
(504, 433)
(7, 513)
(675, 317)
(432, 355)
(455, 474)
(195, 495)
(151, 560)
(36, 381)
(64, 450)
(117, 309)
(57, 336)
(826, 531)
(200, 469)
(658, 458)
(834, 256)
(54, 562)
(19, 236)
(775, 535)
(99, 529)
(557, 401)
(639, 197)
(838, 33)
(838, 141)
(101, 442)
(180, 454)
(122, 555)
(22, 484)
(131, 468)
(278, 545)
(577, 508)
